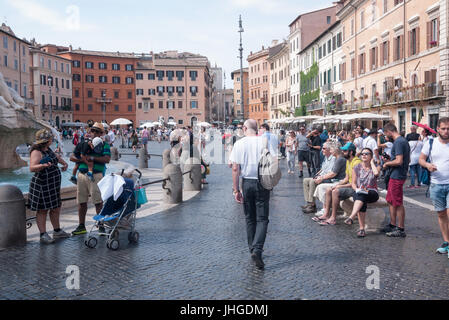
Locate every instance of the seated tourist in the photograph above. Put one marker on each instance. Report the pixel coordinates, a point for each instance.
(323, 176)
(342, 190)
(332, 178)
(364, 184)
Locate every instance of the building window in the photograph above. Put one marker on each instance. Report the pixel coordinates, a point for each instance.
(170, 104)
(398, 48)
(194, 104)
(161, 104)
(179, 75)
(151, 76)
(77, 93)
(160, 75)
(193, 75)
(116, 94)
(89, 78)
(89, 65)
(139, 76)
(413, 41)
(102, 66)
(76, 63)
(151, 105)
(152, 92)
(116, 108)
(5, 42)
(139, 92)
(130, 108)
(362, 19)
(103, 79)
(180, 121)
(129, 80)
(5, 61)
(115, 66)
(89, 93)
(77, 107)
(115, 80)
(328, 19)
(89, 107)
(179, 104)
(160, 91)
(129, 67)
(170, 75)
(130, 94)
(194, 91)
(433, 33)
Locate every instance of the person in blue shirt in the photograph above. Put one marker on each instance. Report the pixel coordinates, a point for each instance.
(273, 142)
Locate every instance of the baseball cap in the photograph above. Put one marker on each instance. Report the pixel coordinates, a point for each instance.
(366, 130)
(348, 146)
(380, 131)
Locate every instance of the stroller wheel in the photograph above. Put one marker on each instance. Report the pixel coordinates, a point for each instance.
(115, 234)
(113, 244)
(133, 237)
(91, 242)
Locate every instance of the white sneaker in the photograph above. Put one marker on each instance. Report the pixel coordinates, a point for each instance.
(320, 213)
(61, 234)
(46, 239)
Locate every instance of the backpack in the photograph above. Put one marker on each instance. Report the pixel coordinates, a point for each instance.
(269, 172)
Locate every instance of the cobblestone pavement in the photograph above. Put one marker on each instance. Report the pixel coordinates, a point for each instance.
(198, 251)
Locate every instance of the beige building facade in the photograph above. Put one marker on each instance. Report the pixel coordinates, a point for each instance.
(237, 77)
(279, 61)
(391, 59)
(15, 62)
(173, 87)
(51, 85)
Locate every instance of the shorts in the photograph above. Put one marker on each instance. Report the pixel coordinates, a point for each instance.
(395, 193)
(303, 156)
(439, 193)
(345, 193)
(86, 187)
(144, 140)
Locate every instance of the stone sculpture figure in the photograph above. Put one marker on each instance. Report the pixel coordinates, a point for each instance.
(17, 126)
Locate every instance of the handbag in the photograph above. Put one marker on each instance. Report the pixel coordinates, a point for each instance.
(141, 196)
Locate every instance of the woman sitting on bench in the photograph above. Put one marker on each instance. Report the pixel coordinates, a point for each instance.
(364, 183)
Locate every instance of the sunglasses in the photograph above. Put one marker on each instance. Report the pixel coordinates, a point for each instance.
(365, 154)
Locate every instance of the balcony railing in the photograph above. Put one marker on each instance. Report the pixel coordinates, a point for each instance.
(326, 88)
(315, 106)
(264, 100)
(414, 93)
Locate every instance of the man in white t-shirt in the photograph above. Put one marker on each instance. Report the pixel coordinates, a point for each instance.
(245, 157)
(358, 141)
(438, 155)
(371, 143)
(111, 137)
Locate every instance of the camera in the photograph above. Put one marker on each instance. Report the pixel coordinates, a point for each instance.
(386, 156)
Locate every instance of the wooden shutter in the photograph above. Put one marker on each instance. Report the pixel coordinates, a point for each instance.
(429, 34)
(376, 57)
(426, 76)
(401, 47)
(438, 31)
(395, 49)
(417, 40)
(433, 75)
(410, 42)
(388, 51)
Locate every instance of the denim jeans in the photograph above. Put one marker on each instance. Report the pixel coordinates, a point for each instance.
(415, 171)
(256, 206)
(439, 193)
(291, 160)
(315, 161)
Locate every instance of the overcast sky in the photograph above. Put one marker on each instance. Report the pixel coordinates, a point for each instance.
(207, 27)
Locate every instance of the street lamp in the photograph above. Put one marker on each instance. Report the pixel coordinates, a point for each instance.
(103, 95)
(50, 84)
(241, 67)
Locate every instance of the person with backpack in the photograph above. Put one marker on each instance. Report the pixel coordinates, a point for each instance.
(245, 158)
(435, 158)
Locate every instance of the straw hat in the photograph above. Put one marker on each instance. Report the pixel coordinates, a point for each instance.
(98, 126)
(43, 136)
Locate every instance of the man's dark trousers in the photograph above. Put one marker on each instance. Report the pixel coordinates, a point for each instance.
(256, 206)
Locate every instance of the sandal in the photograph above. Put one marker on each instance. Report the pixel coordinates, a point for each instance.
(361, 233)
(349, 222)
(318, 219)
(325, 223)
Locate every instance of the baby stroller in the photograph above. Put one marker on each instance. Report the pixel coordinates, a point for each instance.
(117, 215)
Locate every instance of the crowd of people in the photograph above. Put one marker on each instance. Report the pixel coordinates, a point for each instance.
(340, 165)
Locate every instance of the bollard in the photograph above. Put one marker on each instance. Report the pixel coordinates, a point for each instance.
(173, 186)
(114, 154)
(165, 158)
(143, 158)
(192, 180)
(12, 217)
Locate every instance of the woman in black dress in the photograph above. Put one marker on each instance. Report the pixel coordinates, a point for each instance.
(45, 186)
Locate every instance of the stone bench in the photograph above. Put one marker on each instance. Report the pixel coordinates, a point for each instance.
(375, 215)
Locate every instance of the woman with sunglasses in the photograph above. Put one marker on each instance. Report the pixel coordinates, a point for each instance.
(364, 182)
(292, 146)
